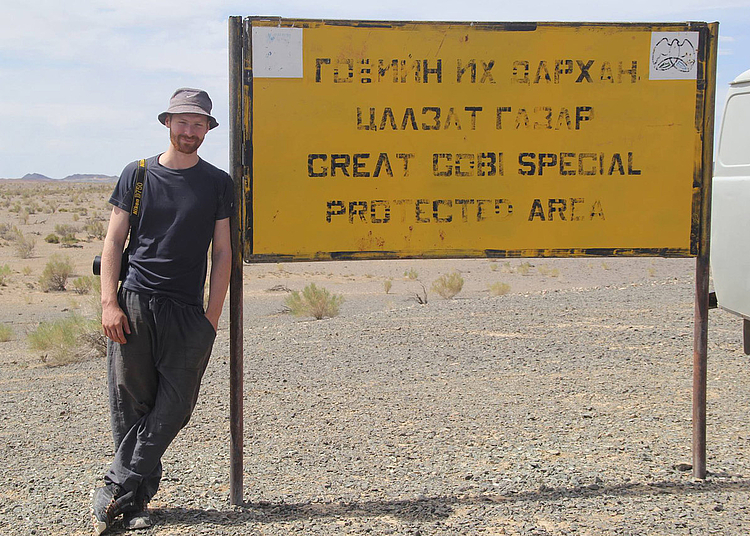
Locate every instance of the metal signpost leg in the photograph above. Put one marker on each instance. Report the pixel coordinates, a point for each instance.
(700, 365)
(700, 333)
(236, 366)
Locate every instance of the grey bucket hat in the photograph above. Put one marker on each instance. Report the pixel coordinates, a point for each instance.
(190, 101)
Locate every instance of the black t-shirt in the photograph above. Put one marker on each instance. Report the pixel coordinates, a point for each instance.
(179, 209)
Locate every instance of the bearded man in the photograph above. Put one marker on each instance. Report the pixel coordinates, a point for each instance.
(159, 334)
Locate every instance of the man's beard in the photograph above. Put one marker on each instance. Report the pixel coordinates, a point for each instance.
(185, 144)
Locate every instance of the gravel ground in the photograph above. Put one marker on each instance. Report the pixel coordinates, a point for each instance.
(561, 408)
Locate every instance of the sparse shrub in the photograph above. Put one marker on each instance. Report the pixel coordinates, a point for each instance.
(448, 285)
(67, 232)
(6, 333)
(499, 289)
(76, 217)
(524, 268)
(66, 340)
(24, 245)
(96, 286)
(387, 284)
(605, 266)
(314, 301)
(421, 299)
(95, 229)
(83, 285)
(26, 270)
(493, 266)
(411, 273)
(52, 238)
(651, 271)
(23, 216)
(506, 268)
(68, 242)
(8, 231)
(547, 271)
(5, 272)
(56, 272)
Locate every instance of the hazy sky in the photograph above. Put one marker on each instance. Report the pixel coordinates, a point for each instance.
(83, 80)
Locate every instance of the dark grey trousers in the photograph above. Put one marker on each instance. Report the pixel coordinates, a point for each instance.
(154, 381)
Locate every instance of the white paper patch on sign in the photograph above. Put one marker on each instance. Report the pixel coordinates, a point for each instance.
(674, 56)
(277, 52)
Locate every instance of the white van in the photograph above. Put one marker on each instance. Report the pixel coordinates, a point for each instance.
(730, 206)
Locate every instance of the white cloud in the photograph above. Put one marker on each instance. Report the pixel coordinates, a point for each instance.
(94, 73)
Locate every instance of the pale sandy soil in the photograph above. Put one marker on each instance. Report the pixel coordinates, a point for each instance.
(562, 408)
(25, 304)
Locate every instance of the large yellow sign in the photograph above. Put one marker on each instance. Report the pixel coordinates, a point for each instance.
(377, 140)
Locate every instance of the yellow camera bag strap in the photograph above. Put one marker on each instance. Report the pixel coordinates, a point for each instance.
(135, 208)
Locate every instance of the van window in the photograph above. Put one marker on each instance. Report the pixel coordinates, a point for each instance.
(734, 146)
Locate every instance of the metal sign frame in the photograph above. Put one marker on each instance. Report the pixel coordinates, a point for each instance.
(241, 93)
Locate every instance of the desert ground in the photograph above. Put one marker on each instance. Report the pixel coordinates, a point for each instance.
(560, 407)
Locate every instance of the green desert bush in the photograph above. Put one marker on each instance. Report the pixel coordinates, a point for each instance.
(524, 268)
(56, 272)
(448, 285)
(95, 229)
(313, 301)
(66, 340)
(67, 233)
(411, 273)
(52, 238)
(8, 231)
(83, 285)
(499, 289)
(24, 245)
(387, 284)
(6, 333)
(5, 272)
(548, 271)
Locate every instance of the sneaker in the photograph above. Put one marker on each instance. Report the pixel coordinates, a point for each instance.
(107, 503)
(138, 517)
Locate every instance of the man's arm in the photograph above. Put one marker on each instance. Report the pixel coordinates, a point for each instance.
(221, 265)
(114, 321)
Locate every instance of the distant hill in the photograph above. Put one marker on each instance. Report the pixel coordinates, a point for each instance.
(90, 178)
(78, 177)
(35, 177)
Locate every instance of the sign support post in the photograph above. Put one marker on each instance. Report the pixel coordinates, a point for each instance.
(236, 365)
(702, 274)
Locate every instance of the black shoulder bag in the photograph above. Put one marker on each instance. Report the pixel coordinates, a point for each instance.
(135, 212)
